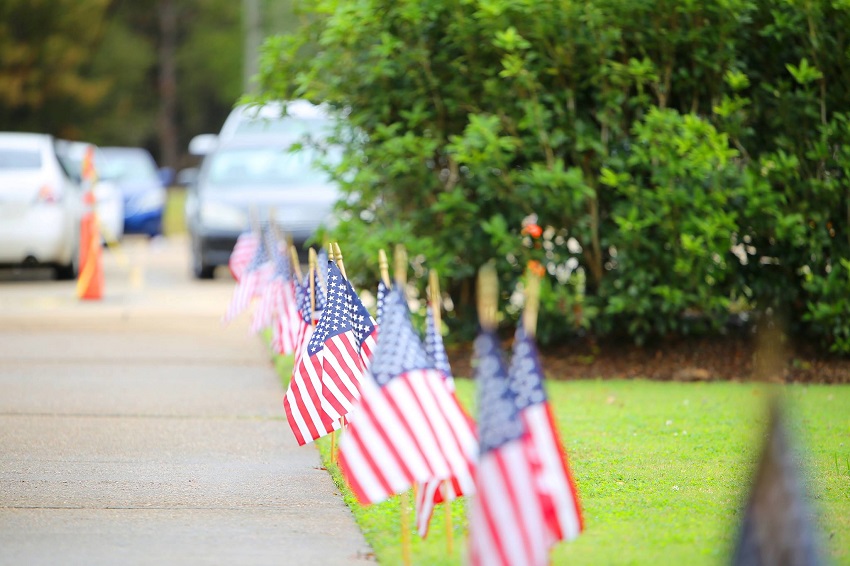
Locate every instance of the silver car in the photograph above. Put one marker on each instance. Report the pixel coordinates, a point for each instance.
(40, 205)
(259, 174)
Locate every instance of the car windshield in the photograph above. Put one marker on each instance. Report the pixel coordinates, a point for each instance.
(127, 166)
(288, 125)
(266, 166)
(20, 159)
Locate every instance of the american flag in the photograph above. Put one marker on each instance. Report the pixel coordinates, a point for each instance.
(342, 344)
(251, 281)
(506, 520)
(308, 317)
(278, 307)
(243, 251)
(407, 427)
(268, 295)
(432, 492)
(558, 492)
(778, 524)
(306, 409)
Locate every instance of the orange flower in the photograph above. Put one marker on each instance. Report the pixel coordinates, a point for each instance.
(533, 230)
(536, 268)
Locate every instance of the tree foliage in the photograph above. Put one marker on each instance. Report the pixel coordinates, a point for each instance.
(684, 158)
(45, 49)
(89, 69)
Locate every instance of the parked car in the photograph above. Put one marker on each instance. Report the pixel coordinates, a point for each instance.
(301, 118)
(109, 202)
(40, 205)
(142, 186)
(262, 175)
(250, 165)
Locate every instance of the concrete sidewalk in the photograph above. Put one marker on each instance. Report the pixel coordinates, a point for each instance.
(138, 430)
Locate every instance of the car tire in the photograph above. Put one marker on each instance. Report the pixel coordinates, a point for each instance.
(204, 271)
(200, 269)
(67, 272)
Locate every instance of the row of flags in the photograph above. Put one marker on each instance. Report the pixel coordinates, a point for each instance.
(392, 392)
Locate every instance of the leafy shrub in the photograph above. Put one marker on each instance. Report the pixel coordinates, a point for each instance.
(682, 156)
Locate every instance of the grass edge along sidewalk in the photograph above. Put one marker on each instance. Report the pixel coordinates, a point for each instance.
(662, 470)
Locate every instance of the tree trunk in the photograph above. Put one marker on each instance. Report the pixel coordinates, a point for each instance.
(166, 122)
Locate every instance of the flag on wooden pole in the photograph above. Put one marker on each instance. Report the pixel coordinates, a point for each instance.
(778, 526)
(269, 294)
(555, 483)
(307, 411)
(279, 304)
(506, 520)
(340, 348)
(243, 251)
(251, 281)
(434, 491)
(408, 426)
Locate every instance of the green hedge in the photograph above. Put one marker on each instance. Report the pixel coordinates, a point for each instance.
(683, 159)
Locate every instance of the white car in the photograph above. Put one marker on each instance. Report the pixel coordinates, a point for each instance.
(40, 205)
(109, 201)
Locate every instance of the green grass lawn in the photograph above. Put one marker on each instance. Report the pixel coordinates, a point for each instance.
(662, 471)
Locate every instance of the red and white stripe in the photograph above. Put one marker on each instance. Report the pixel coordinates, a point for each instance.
(412, 429)
(342, 373)
(430, 493)
(555, 482)
(243, 252)
(434, 491)
(243, 294)
(287, 321)
(305, 409)
(267, 306)
(367, 347)
(506, 521)
(302, 338)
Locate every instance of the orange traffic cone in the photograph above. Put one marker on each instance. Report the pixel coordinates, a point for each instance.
(90, 281)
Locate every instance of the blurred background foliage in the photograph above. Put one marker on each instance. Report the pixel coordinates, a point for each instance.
(685, 162)
(151, 73)
(682, 164)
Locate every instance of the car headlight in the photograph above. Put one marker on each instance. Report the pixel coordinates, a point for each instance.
(222, 216)
(150, 200)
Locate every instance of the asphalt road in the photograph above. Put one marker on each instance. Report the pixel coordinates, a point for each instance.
(138, 429)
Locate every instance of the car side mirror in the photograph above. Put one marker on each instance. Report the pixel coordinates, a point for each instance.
(203, 144)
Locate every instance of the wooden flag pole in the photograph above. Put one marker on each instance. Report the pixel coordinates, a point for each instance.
(338, 255)
(404, 504)
(296, 263)
(401, 279)
(401, 264)
(436, 311)
(436, 299)
(312, 261)
(532, 304)
(384, 266)
(488, 296)
(254, 219)
(335, 253)
(313, 266)
(447, 514)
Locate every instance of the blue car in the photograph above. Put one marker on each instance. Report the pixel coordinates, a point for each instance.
(142, 187)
